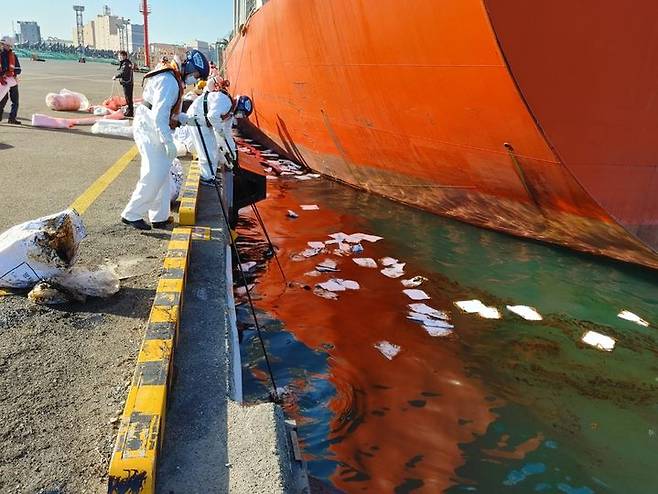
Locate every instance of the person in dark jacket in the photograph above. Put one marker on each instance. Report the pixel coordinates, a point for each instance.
(10, 67)
(125, 77)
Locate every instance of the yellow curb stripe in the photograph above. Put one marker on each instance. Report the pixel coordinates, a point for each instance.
(174, 263)
(87, 198)
(188, 196)
(141, 430)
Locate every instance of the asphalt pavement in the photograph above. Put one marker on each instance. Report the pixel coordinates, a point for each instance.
(64, 370)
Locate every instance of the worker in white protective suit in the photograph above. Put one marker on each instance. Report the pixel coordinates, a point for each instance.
(208, 116)
(211, 118)
(153, 127)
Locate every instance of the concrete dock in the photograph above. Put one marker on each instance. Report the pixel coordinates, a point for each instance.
(65, 371)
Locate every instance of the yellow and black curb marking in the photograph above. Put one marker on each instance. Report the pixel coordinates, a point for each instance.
(141, 430)
(188, 196)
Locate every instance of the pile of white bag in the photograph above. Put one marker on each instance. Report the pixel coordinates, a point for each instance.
(122, 128)
(43, 252)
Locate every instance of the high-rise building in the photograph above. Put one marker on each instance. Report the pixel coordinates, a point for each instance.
(106, 32)
(114, 33)
(30, 32)
(135, 34)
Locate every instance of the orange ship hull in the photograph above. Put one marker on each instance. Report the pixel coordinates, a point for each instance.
(539, 119)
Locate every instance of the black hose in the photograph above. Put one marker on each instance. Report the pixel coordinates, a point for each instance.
(275, 394)
(269, 241)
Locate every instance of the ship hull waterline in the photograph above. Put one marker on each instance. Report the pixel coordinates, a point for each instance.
(434, 117)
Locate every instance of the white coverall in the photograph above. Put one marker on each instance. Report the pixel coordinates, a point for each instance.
(218, 104)
(152, 137)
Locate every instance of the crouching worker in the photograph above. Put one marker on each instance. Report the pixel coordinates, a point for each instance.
(154, 121)
(208, 115)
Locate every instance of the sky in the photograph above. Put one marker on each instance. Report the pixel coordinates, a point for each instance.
(171, 21)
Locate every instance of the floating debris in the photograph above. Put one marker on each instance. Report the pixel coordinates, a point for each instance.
(365, 262)
(413, 282)
(388, 261)
(394, 270)
(310, 252)
(470, 306)
(437, 331)
(489, 313)
(387, 349)
(321, 292)
(303, 177)
(313, 273)
(367, 237)
(327, 266)
(292, 214)
(271, 177)
(309, 207)
(629, 316)
(599, 341)
(247, 266)
(477, 307)
(339, 285)
(337, 237)
(437, 323)
(414, 294)
(315, 245)
(527, 313)
(357, 248)
(427, 310)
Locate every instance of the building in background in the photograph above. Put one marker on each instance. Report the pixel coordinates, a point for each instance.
(89, 33)
(202, 46)
(106, 32)
(242, 9)
(135, 34)
(159, 50)
(113, 33)
(30, 32)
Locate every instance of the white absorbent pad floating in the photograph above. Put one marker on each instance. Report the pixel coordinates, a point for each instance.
(527, 313)
(387, 349)
(599, 341)
(629, 316)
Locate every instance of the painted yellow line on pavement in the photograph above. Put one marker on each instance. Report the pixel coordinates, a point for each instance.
(87, 198)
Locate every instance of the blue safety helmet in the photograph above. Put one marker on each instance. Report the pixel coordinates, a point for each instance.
(243, 107)
(195, 60)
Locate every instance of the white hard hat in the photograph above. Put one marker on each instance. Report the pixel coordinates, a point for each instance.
(6, 40)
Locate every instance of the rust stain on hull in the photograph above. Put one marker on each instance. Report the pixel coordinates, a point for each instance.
(424, 95)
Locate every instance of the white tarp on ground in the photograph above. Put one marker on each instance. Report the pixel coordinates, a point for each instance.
(121, 128)
(39, 249)
(41, 253)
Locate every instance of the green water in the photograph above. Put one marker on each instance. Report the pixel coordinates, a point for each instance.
(601, 408)
(593, 414)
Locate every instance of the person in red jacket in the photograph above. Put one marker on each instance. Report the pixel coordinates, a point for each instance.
(10, 67)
